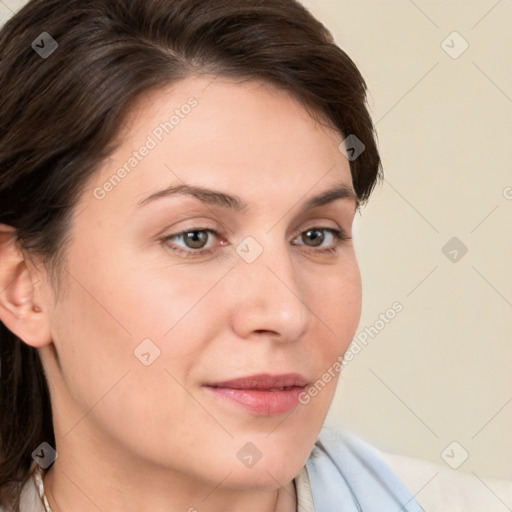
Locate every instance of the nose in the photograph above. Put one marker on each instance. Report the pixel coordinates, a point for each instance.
(268, 300)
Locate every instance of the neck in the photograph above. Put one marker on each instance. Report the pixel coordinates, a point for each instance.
(73, 487)
(96, 471)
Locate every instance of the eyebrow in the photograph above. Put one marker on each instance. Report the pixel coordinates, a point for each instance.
(233, 202)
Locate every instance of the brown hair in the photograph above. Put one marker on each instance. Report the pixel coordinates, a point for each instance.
(60, 116)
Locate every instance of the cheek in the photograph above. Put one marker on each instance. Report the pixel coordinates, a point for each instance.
(336, 305)
(92, 341)
(97, 326)
(338, 302)
(342, 300)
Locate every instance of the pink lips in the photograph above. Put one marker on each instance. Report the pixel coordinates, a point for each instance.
(263, 394)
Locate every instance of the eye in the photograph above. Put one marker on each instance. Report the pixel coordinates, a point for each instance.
(316, 236)
(195, 240)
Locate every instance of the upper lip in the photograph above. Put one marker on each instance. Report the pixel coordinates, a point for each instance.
(263, 381)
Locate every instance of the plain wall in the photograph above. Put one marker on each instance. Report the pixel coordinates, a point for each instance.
(439, 371)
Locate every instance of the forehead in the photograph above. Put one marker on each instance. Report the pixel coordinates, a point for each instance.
(244, 136)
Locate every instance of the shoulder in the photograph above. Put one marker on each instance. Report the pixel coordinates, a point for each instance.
(441, 488)
(415, 484)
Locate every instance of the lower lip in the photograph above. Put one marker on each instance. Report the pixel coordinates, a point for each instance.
(262, 402)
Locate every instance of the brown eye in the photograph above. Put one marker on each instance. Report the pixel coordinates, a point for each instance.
(192, 242)
(195, 239)
(315, 235)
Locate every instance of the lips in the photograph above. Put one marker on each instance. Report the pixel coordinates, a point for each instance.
(263, 394)
(263, 381)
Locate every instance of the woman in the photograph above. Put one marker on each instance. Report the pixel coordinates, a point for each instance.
(178, 279)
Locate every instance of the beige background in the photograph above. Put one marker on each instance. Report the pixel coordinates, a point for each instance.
(440, 370)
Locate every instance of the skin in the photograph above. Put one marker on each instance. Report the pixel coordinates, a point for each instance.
(133, 437)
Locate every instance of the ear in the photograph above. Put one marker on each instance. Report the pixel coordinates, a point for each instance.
(21, 311)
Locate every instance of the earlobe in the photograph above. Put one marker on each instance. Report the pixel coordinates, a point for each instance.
(19, 310)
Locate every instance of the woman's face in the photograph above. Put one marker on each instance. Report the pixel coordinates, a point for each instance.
(146, 320)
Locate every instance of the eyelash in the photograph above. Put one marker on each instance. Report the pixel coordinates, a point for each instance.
(339, 235)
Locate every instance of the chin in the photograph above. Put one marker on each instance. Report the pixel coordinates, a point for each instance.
(259, 478)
